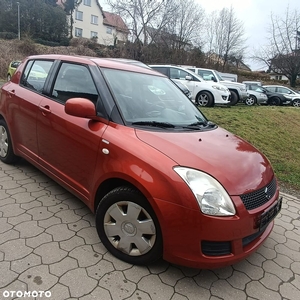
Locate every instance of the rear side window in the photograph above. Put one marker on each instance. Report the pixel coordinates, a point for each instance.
(35, 74)
(271, 88)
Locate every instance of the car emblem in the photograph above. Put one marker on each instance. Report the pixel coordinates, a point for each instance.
(268, 196)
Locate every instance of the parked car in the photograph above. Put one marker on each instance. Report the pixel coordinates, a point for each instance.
(256, 96)
(288, 93)
(203, 93)
(238, 91)
(161, 178)
(12, 68)
(273, 98)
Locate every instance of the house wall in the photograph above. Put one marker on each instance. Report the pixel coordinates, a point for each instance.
(89, 14)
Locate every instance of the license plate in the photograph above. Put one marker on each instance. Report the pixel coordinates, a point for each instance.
(270, 214)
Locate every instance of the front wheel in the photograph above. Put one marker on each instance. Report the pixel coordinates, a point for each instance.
(251, 100)
(128, 226)
(296, 103)
(234, 98)
(6, 150)
(204, 99)
(274, 101)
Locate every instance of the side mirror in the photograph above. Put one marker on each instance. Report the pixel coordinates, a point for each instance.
(189, 78)
(80, 107)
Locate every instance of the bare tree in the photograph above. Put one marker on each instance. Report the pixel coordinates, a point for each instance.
(282, 52)
(139, 15)
(225, 36)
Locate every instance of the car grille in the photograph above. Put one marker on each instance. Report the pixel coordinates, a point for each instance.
(258, 198)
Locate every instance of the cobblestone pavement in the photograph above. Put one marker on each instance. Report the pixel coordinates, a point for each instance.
(49, 245)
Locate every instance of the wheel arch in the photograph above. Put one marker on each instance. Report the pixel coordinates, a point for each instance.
(209, 92)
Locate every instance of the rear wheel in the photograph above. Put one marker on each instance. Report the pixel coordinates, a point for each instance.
(234, 98)
(128, 226)
(6, 151)
(296, 103)
(275, 101)
(251, 100)
(204, 99)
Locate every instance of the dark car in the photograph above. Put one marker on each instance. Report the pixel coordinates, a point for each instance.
(273, 97)
(162, 180)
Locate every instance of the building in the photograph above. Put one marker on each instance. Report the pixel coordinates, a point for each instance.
(90, 21)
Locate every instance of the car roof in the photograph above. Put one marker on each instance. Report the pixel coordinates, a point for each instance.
(101, 62)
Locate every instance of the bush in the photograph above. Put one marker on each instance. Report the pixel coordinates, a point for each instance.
(8, 35)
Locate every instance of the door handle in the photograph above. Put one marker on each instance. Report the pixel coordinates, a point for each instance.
(45, 109)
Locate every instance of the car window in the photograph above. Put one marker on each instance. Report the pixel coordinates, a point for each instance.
(283, 90)
(35, 74)
(271, 88)
(149, 98)
(74, 81)
(162, 70)
(178, 74)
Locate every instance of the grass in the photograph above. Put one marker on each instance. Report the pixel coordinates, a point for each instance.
(274, 130)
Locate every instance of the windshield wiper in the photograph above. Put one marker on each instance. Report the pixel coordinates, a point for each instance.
(154, 124)
(200, 124)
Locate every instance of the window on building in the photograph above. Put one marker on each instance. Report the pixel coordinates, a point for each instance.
(79, 15)
(108, 30)
(94, 34)
(94, 19)
(87, 2)
(78, 32)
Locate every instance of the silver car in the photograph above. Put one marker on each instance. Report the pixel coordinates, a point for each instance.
(256, 96)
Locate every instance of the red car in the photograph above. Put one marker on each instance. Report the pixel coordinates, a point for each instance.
(162, 180)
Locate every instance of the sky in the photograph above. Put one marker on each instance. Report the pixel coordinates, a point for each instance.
(256, 16)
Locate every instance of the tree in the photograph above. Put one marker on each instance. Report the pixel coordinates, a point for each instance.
(225, 36)
(69, 8)
(282, 52)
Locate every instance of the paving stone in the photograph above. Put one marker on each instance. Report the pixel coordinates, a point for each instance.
(273, 268)
(118, 286)
(41, 239)
(101, 268)
(15, 249)
(283, 260)
(63, 266)
(189, 288)
(76, 226)
(136, 273)
(256, 259)
(58, 292)
(89, 235)
(24, 197)
(8, 236)
(206, 278)
(74, 280)
(15, 285)
(72, 243)
(271, 281)
(85, 255)
(171, 276)
(9, 184)
(19, 219)
(38, 278)
(49, 222)
(4, 226)
(295, 267)
(58, 207)
(256, 290)
(7, 275)
(239, 280)
(50, 253)
(29, 229)
(226, 272)
(15, 191)
(12, 210)
(289, 291)
(67, 216)
(20, 265)
(40, 213)
(6, 200)
(100, 293)
(60, 232)
(224, 290)
(31, 204)
(283, 249)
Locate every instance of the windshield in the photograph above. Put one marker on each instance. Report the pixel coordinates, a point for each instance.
(151, 100)
(219, 76)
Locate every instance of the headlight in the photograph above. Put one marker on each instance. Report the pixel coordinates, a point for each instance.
(217, 87)
(211, 196)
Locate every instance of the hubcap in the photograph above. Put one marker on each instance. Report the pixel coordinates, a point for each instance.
(250, 101)
(130, 228)
(3, 142)
(296, 103)
(202, 100)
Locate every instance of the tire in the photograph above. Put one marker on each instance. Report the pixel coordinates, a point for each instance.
(234, 98)
(8, 77)
(296, 103)
(128, 226)
(6, 150)
(251, 100)
(275, 101)
(204, 99)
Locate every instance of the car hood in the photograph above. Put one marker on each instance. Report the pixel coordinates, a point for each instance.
(236, 164)
(232, 83)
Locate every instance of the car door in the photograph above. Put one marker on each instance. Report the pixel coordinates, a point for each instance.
(68, 145)
(27, 98)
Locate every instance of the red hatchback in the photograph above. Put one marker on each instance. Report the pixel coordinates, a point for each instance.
(162, 180)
